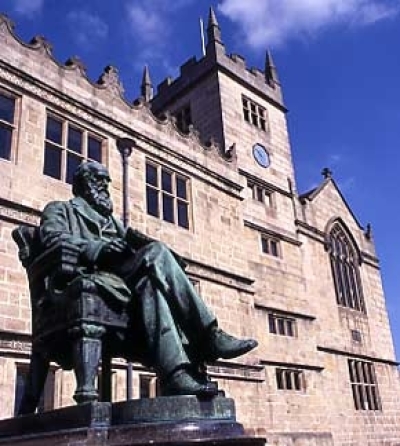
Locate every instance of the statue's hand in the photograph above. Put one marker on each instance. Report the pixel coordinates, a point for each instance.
(116, 245)
(113, 250)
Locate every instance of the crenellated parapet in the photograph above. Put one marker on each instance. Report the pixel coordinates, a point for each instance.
(193, 138)
(42, 47)
(68, 85)
(264, 82)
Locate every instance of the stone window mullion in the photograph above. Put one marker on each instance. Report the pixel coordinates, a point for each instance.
(171, 193)
(67, 157)
(364, 385)
(345, 273)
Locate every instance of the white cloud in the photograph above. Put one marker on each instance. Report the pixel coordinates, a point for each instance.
(272, 22)
(146, 23)
(151, 24)
(150, 21)
(28, 7)
(87, 28)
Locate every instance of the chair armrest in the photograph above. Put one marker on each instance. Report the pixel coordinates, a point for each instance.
(62, 258)
(27, 239)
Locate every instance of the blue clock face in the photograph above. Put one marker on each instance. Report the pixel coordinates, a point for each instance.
(261, 155)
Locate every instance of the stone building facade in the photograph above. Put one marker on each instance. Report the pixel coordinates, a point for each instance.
(211, 175)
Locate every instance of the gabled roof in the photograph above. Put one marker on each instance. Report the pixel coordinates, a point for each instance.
(313, 193)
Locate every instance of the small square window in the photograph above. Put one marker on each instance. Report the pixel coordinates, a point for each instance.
(260, 193)
(281, 325)
(184, 118)
(356, 336)
(254, 114)
(290, 379)
(270, 246)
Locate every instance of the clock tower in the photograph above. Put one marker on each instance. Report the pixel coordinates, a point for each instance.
(242, 110)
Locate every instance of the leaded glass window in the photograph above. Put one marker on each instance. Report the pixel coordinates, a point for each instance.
(345, 270)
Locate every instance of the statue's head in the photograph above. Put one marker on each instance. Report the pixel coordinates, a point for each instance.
(90, 182)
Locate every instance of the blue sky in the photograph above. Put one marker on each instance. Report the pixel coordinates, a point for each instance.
(338, 61)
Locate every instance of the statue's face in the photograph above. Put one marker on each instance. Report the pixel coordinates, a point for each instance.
(97, 193)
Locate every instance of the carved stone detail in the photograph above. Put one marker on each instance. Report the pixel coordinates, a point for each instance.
(110, 79)
(18, 215)
(6, 25)
(40, 42)
(57, 101)
(76, 62)
(15, 346)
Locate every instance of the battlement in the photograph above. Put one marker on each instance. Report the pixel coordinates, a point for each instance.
(105, 97)
(263, 82)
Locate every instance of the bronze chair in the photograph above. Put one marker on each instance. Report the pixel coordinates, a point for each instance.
(71, 324)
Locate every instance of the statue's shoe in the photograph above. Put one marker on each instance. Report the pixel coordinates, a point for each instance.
(182, 383)
(222, 345)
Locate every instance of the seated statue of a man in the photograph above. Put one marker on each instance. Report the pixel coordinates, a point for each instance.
(172, 324)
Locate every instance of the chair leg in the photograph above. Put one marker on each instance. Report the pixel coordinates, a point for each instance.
(38, 369)
(87, 353)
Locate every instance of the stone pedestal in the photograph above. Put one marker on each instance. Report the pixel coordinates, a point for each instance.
(180, 421)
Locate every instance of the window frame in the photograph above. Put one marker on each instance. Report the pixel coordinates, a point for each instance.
(11, 126)
(278, 324)
(364, 385)
(183, 117)
(261, 194)
(271, 246)
(65, 151)
(254, 113)
(157, 190)
(288, 379)
(344, 262)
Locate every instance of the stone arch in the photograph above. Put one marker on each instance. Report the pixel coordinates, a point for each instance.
(345, 263)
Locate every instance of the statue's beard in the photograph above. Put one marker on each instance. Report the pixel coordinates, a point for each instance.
(100, 201)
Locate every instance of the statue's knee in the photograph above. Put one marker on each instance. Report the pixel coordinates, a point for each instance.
(158, 249)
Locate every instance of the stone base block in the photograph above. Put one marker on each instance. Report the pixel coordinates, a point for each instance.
(180, 421)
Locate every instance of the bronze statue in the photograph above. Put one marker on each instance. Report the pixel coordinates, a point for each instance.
(174, 331)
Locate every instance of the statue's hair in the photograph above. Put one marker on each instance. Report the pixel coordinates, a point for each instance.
(85, 170)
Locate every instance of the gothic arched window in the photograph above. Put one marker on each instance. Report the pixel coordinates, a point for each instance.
(344, 263)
